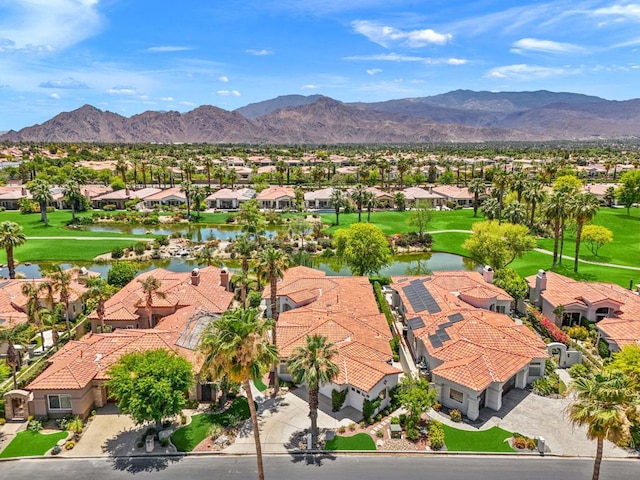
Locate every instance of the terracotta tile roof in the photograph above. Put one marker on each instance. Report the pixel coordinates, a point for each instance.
(344, 310)
(322, 194)
(228, 194)
(169, 192)
(130, 301)
(622, 329)
(474, 347)
(417, 193)
(78, 363)
(274, 193)
(451, 191)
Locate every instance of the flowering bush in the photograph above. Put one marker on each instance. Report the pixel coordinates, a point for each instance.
(553, 332)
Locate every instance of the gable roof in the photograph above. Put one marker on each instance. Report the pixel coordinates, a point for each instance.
(276, 192)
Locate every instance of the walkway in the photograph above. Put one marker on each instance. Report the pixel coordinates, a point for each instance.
(128, 239)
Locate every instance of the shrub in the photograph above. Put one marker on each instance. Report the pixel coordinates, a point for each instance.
(109, 207)
(164, 442)
(520, 442)
(338, 398)
(342, 429)
(552, 331)
(437, 406)
(75, 426)
(436, 435)
(455, 415)
(379, 434)
(140, 444)
(3, 421)
(578, 333)
(117, 252)
(412, 433)
(69, 445)
(352, 426)
(369, 407)
(183, 419)
(254, 299)
(402, 418)
(603, 349)
(215, 430)
(139, 248)
(56, 450)
(395, 421)
(578, 371)
(34, 425)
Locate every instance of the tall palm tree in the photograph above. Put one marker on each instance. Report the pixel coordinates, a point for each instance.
(358, 196)
(244, 246)
(72, 195)
(151, 287)
(50, 318)
(555, 210)
(186, 187)
(533, 194)
(198, 194)
(61, 284)
(312, 365)
(477, 187)
(402, 166)
(235, 346)
(99, 291)
(606, 405)
(41, 193)
(11, 236)
(583, 207)
(370, 203)
(274, 263)
(337, 201)
(208, 165)
(518, 183)
(500, 184)
(515, 212)
(12, 336)
(121, 168)
(32, 291)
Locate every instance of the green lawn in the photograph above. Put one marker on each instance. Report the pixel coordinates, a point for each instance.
(64, 250)
(188, 437)
(28, 444)
(491, 440)
(360, 441)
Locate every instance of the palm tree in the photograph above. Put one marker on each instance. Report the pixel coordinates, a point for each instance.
(11, 236)
(402, 166)
(235, 347)
(151, 287)
(244, 247)
(99, 291)
(477, 187)
(50, 319)
(232, 177)
(490, 208)
(41, 193)
(500, 183)
(121, 167)
(370, 202)
(61, 284)
(555, 210)
(274, 263)
(358, 195)
(312, 365)
(583, 207)
(18, 335)
(198, 194)
(32, 292)
(338, 202)
(606, 405)
(208, 165)
(533, 194)
(518, 183)
(187, 188)
(72, 195)
(515, 213)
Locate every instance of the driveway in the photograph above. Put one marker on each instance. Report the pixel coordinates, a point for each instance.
(535, 416)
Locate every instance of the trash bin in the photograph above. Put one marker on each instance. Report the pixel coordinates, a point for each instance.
(541, 445)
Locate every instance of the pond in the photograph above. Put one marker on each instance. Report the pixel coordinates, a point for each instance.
(195, 233)
(415, 264)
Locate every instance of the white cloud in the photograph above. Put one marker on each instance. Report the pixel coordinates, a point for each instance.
(46, 25)
(68, 83)
(525, 72)
(395, 57)
(223, 79)
(122, 90)
(546, 46)
(168, 48)
(309, 86)
(188, 104)
(386, 36)
(260, 53)
(629, 11)
(55, 96)
(373, 71)
(167, 99)
(228, 93)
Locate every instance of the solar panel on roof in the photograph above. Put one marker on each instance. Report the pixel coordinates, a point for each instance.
(435, 341)
(415, 323)
(456, 317)
(443, 336)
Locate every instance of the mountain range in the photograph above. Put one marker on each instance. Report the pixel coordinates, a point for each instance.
(457, 116)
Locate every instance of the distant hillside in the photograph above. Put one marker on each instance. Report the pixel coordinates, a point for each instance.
(254, 110)
(460, 116)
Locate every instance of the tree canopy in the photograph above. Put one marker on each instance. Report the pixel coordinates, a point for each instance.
(498, 245)
(363, 248)
(596, 236)
(511, 282)
(150, 385)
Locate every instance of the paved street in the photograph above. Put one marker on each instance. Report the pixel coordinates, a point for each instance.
(374, 467)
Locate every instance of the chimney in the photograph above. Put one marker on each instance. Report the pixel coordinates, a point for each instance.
(195, 277)
(224, 279)
(487, 274)
(541, 281)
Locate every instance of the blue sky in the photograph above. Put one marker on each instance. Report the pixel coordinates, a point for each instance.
(128, 56)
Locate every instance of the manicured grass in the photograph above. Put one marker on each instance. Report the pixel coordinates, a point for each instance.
(491, 440)
(188, 437)
(64, 249)
(259, 384)
(28, 444)
(360, 441)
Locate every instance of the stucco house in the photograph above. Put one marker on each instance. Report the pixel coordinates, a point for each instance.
(565, 301)
(173, 196)
(451, 193)
(417, 194)
(120, 197)
(457, 328)
(10, 196)
(74, 383)
(227, 199)
(344, 310)
(277, 198)
(207, 288)
(318, 199)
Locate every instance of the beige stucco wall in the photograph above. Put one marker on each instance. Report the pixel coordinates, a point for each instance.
(82, 402)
